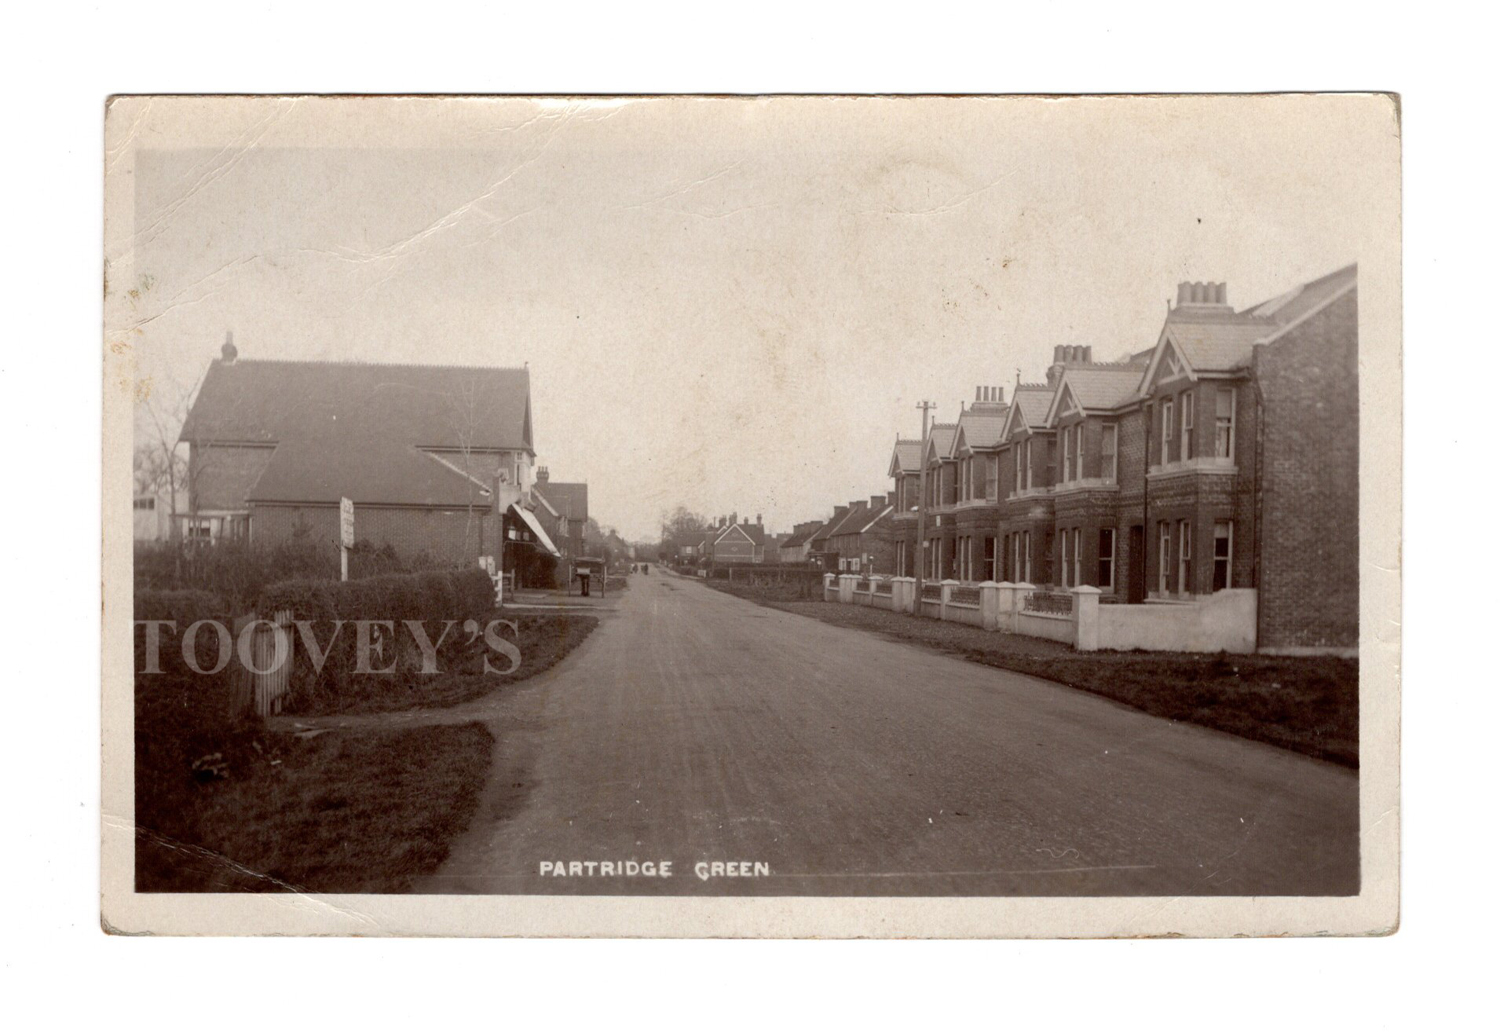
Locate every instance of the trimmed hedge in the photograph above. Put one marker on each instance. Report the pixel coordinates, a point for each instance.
(432, 597)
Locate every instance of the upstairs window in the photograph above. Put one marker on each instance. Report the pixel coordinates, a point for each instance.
(1166, 431)
(1026, 471)
(1109, 443)
(1078, 451)
(1185, 446)
(1224, 423)
(1067, 453)
(992, 478)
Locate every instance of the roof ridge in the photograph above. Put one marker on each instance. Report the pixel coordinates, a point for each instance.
(374, 365)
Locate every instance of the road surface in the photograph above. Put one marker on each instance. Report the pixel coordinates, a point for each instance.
(695, 728)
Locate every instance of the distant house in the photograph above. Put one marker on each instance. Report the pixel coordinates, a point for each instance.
(420, 450)
(794, 548)
(735, 542)
(863, 541)
(569, 503)
(151, 513)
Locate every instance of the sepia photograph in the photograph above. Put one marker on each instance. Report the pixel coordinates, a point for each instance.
(752, 516)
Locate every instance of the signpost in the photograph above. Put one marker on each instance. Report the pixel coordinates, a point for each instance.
(346, 536)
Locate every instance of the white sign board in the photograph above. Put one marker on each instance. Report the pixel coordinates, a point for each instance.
(346, 523)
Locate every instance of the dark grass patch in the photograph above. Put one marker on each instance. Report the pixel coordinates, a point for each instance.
(1306, 704)
(542, 639)
(347, 811)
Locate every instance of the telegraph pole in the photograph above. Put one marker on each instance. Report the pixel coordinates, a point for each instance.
(926, 407)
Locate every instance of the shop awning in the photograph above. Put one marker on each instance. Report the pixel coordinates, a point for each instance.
(530, 520)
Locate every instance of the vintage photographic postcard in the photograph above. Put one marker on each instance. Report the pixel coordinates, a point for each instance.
(763, 516)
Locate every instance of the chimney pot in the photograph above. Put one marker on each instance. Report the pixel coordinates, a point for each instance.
(229, 352)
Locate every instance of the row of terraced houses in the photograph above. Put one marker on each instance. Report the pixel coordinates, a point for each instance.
(1225, 456)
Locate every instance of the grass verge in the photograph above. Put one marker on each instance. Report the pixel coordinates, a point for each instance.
(364, 811)
(1306, 704)
(543, 641)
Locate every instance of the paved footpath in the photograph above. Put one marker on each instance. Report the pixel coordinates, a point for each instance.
(696, 727)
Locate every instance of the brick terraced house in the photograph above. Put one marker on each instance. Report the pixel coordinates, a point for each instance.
(1223, 457)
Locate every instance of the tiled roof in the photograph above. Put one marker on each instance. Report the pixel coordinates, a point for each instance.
(1034, 401)
(359, 431)
(343, 465)
(853, 520)
(425, 406)
(1103, 387)
(1219, 342)
(942, 436)
(801, 537)
(983, 429)
(1294, 304)
(569, 498)
(908, 455)
(1217, 346)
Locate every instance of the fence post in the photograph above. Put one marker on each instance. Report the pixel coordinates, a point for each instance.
(1005, 606)
(947, 592)
(902, 590)
(829, 586)
(846, 587)
(1086, 618)
(989, 605)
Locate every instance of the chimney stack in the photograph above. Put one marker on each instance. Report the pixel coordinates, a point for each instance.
(757, 520)
(1202, 293)
(542, 475)
(229, 352)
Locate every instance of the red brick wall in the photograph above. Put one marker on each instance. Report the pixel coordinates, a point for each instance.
(1309, 574)
(448, 536)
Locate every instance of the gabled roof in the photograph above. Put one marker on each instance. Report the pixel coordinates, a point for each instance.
(868, 518)
(1221, 341)
(981, 429)
(1096, 388)
(906, 457)
(1029, 407)
(940, 440)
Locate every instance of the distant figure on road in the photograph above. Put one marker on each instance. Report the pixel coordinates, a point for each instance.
(645, 568)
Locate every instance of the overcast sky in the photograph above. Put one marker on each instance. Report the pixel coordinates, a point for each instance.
(730, 305)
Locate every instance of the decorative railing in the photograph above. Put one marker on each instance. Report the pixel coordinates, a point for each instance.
(882, 588)
(966, 594)
(1060, 603)
(862, 585)
(932, 591)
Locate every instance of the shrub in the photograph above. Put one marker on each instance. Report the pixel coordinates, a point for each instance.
(181, 716)
(433, 597)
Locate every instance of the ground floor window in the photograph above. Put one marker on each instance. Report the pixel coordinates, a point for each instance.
(1063, 574)
(1184, 556)
(1106, 581)
(1223, 553)
(1077, 555)
(989, 557)
(1164, 558)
